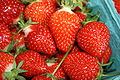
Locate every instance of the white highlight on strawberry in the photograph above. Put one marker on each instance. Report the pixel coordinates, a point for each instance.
(9, 68)
(50, 64)
(27, 30)
(67, 10)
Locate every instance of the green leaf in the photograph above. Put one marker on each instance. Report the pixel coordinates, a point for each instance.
(21, 70)
(14, 65)
(51, 60)
(20, 64)
(62, 79)
(20, 78)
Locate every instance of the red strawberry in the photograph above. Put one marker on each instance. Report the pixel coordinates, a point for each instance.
(5, 37)
(60, 55)
(94, 38)
(39, 38)
(34, 63)
(10, 11)
(117, 5)
(81, 66)
(106, 56)
(41, 77)
(81, 16)
(64, 25)
(18, 39)
(40, 11)
(59, 73)
(6, 63)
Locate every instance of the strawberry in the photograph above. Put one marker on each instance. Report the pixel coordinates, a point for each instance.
(81, 66)
(6, 63)
(40, 11)
(10, 11)
(5, 37)
(41, 77)
(39, 38)
(59, 73)
(117, 5)
(81, 16)
(18, 39)
(34, 63)
(106, 56)
(94, 38)
(64, 25)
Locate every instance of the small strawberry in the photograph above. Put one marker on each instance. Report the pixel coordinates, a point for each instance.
(106, 56)
(81, 66)
(59, 73)
(5, 37)
(41, 77)
(18, 38)
(34, 63)
(38, 37)
(40, 11)
(94, 38)
(117, 5)
(10, 11)
(64, 25)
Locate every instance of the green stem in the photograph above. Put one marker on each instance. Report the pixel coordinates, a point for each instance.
(111, 74)
(62, 60)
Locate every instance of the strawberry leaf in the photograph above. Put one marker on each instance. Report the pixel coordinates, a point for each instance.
(62, 79)
(51, 60)
(20, 78)
(20, 64)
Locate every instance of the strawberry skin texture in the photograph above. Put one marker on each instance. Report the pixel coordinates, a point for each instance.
(106, 56)
(59, 73)
(117, 5)
(81, 66)
(81, 16)
(94, 38)
(34, 63)
(40, 11)
(10, 11)
(40, 39)
(64, 24)
(6, 61)
(40, 77)
(18, 38)
(5, 36)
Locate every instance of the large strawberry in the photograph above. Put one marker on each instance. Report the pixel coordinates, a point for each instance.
(94, 38)
(34, 63)
(5, 37)
(40, 11)
(39, 38)
(117, 5)
(64, 25)
(81, 66)
(10, 11)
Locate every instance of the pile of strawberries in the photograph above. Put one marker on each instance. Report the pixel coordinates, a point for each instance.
(51, 40)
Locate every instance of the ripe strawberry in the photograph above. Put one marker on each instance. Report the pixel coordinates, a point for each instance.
(40, 11)
(117, 5)
(106, 56)
(18, 39)
(34, 63)
(6, 63)
(39, 38)
(81, 16)
(81, 66)
(10, 11)
(94, 38)
(64, 25)
(5, 37)
(41, 77)
(59, 73)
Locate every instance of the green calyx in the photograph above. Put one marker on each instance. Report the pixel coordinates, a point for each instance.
(91, 17)
(29, 1)
(102, 74)
(14, 73)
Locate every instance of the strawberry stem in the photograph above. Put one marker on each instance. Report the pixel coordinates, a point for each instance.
(62, 60)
